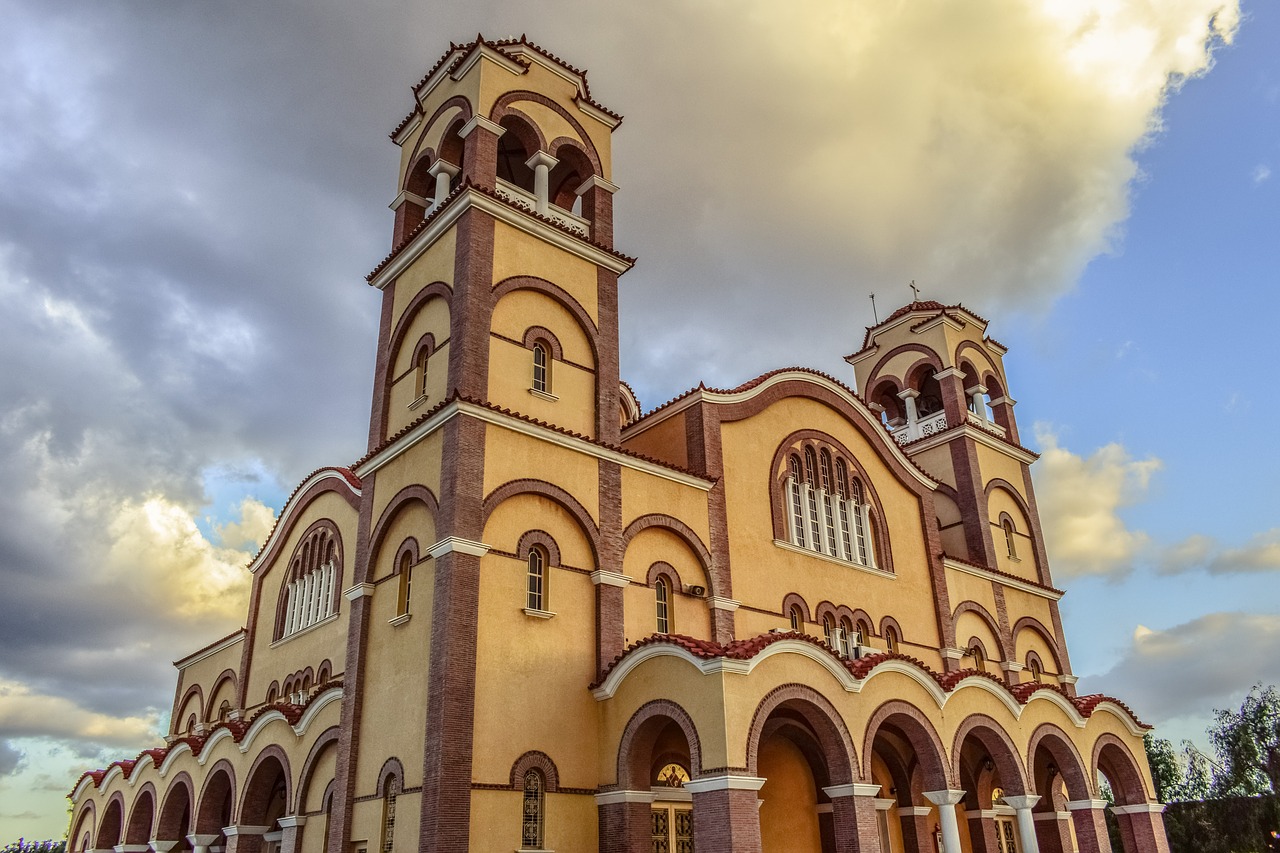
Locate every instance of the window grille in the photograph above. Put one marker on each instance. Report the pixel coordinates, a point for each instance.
(531, 823)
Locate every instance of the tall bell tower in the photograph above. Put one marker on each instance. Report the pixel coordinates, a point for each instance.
(938, 382)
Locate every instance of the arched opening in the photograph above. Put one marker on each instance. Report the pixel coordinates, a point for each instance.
(909, 757)
(1131, 819)
(656, 756)
(566, 176)
(1059, 778)
(175, 814)
(80, 840)
(929, 403)
(266, 794)
(989, 771)
(216, 802)
(517, 144)
(884, 396)
(141, 819)
(111, 825)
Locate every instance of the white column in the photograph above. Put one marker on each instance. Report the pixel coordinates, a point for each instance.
(946, 801)
(908, 398)
(1026, 822)
(444, 172)
(541, 162)
(979, 406)
(200, 843)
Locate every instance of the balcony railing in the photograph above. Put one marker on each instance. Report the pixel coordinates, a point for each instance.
(527, 200)
(927, 425)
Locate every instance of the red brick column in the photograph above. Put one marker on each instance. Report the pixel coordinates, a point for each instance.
(244, 839)
(1053, 831)
(917, 830)
(597, 206)
(853, 812)
(1090, 822)
(610, 630)
(982, 831)
(1002, 411)
(480, 151)
(623, 821)
(726, 813)
(291, 833)
(1143, 825)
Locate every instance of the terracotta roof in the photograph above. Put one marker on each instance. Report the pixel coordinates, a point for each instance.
(459, 52)
(927, 305)
(491, 193)
(455, 396)
(346, 473)
(1009, 575)
(859, 668)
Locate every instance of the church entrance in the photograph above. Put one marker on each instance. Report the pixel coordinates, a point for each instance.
(671, 828)
(1006, 835)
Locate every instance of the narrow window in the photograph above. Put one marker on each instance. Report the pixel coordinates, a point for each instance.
(406, 583)
(828, 503)
(531, 819)
(663, 594)
(828, 631)
(1037, 675)
(864, 633)
(1007, 525)
(848, 639)
(224, 711)
(979, 659)
(811, 487)
(537, 577)
(389, 816)
(541, 371)
(891, 640)
(422, 371)
(797, 618)
(842, 489)
(797, 501)
(859, 524)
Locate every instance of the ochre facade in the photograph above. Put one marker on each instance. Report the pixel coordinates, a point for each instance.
(797, 615)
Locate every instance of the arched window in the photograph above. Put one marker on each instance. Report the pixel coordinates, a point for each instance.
(421, 367)
(662, 591)
(829, 631)
(406, 584)
(1006, 524)
(891, 640)
(1037, 674)
(864, 632)
(848, 639)
(541, 368)
(224, 711)
(271, 693)
(536, 587)
(389, 815)
(531, 822)
(979, 659)
(797, 618)
(311, 595)
(826, 509)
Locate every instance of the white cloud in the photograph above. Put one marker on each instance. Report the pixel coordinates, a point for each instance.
(1259, 554)
(1190, 669)
(1261, 173)
(26, 713)
(1080, 500)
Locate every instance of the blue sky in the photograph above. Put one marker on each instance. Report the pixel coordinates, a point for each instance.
(192, 197)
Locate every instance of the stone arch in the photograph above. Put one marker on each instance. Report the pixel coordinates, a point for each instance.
(567, 502)
(266, 787)
(821, 717)
(111, 827)
(142, 818)
(991, 737)
(640, 735)
(81, 838)
(1050, 740)
(391, 769)
(503, 106)
(217, 799)
(1006, 653)
(683, 531)
(1112, 758)
(176, 818)
(327, 738)
(914, 727)
(535, 760)
(408, 495)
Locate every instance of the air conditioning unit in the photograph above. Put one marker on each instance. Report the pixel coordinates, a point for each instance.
(694, 589)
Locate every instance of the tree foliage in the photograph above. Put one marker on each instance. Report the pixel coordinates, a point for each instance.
(1247, 744)
(22, 845)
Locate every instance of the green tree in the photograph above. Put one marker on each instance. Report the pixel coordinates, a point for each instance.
(1247, 743)
(1166, 772)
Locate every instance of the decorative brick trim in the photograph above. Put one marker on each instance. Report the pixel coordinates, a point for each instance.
(83, 825)
(179, 799)
(179, 711)
(635, 747)
(999, 746)
(921, 734)
(255, 799)
(1006, 652)
(1030, 623)
(219, 787)
(142, 817)
(394, 341)
(567, 502)
(795, 599)
(391, 769)
(538, 537)
(541, 334)
(823, 721)
(329, 737)
(503, 107)
(209, 711)
(680, 529)
(1112, 758)
(535, 760)
(929, 356)
(662, 569)
(1062, 750)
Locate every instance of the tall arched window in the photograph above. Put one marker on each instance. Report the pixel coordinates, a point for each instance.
(1037, 674)
(536, 586)
(406, 584)
(1006, 524)
(848, 639)
(829, 631)
(311, 595)
(797, 618)
(891, 640)
(421, 367)
(826, 509)
(662, 591)
(541, 368)
(979, 659)
(389, 815)
(531, 823)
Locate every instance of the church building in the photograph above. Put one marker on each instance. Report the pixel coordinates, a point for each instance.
(803, 615)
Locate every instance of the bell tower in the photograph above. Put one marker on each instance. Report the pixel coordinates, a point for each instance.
(938, 382)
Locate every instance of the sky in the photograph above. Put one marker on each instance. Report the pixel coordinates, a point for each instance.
(191, 195)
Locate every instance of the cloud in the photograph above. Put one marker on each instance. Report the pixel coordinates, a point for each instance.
(1192, 668)
(1261, 173)
(10, 758)
(25, 713)
(1080, 500)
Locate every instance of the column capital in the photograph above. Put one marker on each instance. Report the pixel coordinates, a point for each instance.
(480, 121)
(404, 196)
(443, 166)
(360, 590)
(976, 389)
(949, 653)
(718, 602)
(462, 546)
(1006, 400)
(162, 846)
(201, 840)
(914, 811)
(910, 392)
(1139, 808)
(541, 158)
(854, 789)
(291, 820)
(948, 373)
(607, 578)
(724, 782)
(595, 181)
(1020, 803)
(244, 829)
(945, 797)
(131, 848)
(1084, 805)
(608, 798)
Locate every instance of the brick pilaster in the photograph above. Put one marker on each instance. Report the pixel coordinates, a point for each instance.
(726, 821)
(610, 627)
(624, 827)
(1090, 821)
(702, 438)
(471, 307)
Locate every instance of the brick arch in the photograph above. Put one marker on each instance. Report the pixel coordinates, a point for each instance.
(1006, 653)
(983, 366)
(313, 535)
(253, 801)
(328, 737)
(392, 768)
(889, 622)
(223, 677)
(860, 615)
(562, 297)
(219, 787)
(434, 290)
(999, 746)
(525, 129)
(567, 502)
(879, 532)
(929, 355)
(535, 760)
(179, 802)
(503, 106)
(542, 538)
(1030, 623)
(179, 710)
(1059, 746)
(456, 101)
(822, 719)
(919, 732)
(796, 599)
(572, 170)
(1112, 758)
(541, 334)
(83, 825)
(111, 826)
(662, 569)
(642, 731)
(681, 530)
(141, 823)
(408, 495)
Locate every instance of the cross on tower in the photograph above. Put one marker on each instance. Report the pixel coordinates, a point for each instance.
(915, 291)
